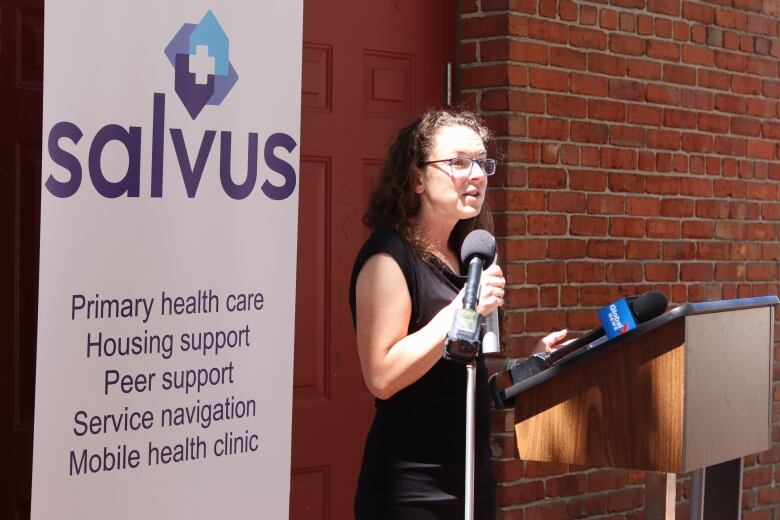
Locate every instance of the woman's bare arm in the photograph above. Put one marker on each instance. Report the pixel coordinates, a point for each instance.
(390, 359)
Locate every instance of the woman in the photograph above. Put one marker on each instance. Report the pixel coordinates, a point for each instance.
(405, 286)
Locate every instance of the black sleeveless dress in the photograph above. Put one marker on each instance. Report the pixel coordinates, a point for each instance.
(414, 459)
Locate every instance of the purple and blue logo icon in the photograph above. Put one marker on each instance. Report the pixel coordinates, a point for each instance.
(200, 55)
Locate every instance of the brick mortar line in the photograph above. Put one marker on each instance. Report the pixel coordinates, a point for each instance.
(619, 32)
(653, 173)
(667, 261)
(668, 39)
(513, 138)
(602, 3)
(638, 149)
(640, 282)
(643, 281)
(712, 241)
(624, 237)
(644, 81)
(592, 307)
(672, 217)
(629, 10)
(625, 123)
(602, 75)
(642, 238)
(590, 50)
(773, 40)
(643, 262)
(643, 218)
(625, 260)
(746, 158)
(566, 261)
(651, 104)
(634, 194)
(651, 150)
(514, 189)
(691, 218)
(645, 148)
(648, 195)
(678, 151)
(597, 75)
(619, 10)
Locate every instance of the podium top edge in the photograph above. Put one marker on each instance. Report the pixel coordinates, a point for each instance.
(690, 309)
(686, 309)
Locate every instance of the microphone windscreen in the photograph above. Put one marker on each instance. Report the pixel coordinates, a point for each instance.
(478, 243)
(647, 306)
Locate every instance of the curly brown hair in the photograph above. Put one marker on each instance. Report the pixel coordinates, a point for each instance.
(394, 203)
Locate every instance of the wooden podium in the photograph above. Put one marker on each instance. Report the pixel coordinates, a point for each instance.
(688, 390)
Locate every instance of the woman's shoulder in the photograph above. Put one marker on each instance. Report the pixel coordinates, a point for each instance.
(390, 242)
(386, 235)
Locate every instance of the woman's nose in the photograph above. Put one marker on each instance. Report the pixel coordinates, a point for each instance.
(477, 171)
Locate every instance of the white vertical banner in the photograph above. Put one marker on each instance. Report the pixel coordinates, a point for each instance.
(167, 260)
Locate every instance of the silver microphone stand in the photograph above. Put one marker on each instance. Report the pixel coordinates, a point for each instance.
(490, 344)
(471, 385)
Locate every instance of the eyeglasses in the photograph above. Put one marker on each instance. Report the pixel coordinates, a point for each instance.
(461, 166)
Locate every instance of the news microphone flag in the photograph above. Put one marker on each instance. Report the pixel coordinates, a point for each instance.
(617, 318)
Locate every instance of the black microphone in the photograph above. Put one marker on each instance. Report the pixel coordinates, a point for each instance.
(463, 341)
(643, 308)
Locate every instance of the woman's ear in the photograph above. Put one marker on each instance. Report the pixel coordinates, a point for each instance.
(418, 183)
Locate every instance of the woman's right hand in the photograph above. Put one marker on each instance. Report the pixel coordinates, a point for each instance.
(491, 293)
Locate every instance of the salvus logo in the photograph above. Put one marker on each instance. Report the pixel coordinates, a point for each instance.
(200, 56)
(203, 76)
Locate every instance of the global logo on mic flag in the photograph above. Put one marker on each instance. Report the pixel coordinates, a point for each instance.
(616, 318)
(200, 57)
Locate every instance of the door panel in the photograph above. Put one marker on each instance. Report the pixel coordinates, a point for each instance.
(21, 76)
(311, 382)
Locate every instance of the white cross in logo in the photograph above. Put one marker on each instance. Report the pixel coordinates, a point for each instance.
(201, 64)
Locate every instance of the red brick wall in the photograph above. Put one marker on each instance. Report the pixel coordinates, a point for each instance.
(640, 146)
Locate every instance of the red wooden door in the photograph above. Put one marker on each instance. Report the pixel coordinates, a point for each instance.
(21, 91)
(368, 68)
